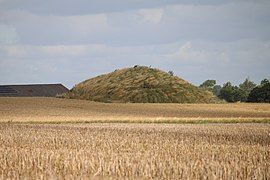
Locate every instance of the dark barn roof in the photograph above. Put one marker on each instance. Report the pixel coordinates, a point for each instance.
(32, 90)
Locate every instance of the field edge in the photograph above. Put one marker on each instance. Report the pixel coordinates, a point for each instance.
(169, 121)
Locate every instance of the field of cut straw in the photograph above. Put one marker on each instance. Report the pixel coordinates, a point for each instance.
(53, 110)
(49, 138)
(135, 151)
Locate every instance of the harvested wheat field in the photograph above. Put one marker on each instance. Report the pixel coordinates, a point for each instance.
(50, 138)
(135, 151)
(33, 110)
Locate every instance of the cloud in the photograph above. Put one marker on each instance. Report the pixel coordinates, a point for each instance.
(223, 61)
(81, 7)
(171, 22)
(34, 29)
(186, 53)
(152, 15)
(224, 22)
(52, 51)
(74, 40)
(8, 34)
(194, 61)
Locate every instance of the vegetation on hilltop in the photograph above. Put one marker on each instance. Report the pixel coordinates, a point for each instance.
(140, 84)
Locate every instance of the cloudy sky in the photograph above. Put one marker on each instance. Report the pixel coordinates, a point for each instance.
(69, 41)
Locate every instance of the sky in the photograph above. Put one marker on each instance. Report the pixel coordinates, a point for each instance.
(68, 41)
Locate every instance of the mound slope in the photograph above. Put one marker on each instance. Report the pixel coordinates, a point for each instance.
(140, 85)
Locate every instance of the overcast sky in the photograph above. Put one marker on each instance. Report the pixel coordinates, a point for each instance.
(68, 41)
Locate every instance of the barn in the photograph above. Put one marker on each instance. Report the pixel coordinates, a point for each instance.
(32, 90)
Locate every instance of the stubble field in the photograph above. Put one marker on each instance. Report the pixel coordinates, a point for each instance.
(135, 151)
(49, 138)
(46, 110)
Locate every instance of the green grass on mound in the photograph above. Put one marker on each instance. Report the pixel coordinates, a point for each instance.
(140, 85)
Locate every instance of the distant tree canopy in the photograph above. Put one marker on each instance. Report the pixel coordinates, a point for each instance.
(246, 87)
(231, 93)
(265, 81)
(208, 84)
(216, 90)
(260, 93)
(247, 91)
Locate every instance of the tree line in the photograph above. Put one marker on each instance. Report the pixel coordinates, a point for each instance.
(247, 91)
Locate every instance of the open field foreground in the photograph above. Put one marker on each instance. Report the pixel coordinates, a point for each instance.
(29, 110)
(135, 151)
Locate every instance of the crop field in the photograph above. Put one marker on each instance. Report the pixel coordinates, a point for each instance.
(46, 110)
(135, 151)
(50, 138)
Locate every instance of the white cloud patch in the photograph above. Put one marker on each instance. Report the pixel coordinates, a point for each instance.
(185, 52)
(152, 15)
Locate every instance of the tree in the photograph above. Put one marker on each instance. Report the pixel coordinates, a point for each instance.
(208, 84)
(171, 73)
(231, 93)
(265, 81)
(216, 90)
(226, 92)
(245, 88)
(260, 93)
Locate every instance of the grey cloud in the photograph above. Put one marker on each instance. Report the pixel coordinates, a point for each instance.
(33, 29)
(78, 7)
(8, 34)
(71, 7)
(224, 22)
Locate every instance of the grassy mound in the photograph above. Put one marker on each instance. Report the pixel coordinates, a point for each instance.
(140, 85)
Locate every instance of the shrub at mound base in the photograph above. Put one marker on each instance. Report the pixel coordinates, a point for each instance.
(140, 85)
